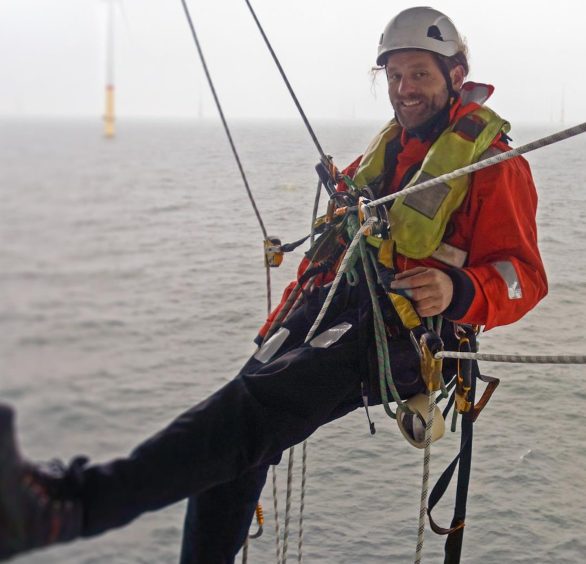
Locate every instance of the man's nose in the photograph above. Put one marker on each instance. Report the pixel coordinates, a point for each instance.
(406, 86)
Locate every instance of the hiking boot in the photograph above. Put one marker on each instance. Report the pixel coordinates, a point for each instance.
(39, 503)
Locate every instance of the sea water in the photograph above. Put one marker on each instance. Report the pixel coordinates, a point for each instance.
(132, 285)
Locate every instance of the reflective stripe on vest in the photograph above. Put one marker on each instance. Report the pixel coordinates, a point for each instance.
(418, 221)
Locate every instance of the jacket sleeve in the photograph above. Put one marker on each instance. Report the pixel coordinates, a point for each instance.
(504, 276)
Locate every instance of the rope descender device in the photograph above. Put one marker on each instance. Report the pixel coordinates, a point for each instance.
(431, 368)
(381, 224)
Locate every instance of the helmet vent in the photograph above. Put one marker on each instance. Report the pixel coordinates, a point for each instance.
(434, 32)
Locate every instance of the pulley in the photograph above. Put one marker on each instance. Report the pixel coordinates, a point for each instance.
(412, 424)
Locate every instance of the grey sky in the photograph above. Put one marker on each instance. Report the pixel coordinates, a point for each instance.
(52, 57)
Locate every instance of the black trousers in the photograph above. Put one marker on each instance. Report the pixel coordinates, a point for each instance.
(217, 453)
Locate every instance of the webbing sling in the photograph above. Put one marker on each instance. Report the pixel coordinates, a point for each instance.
(453, 546)
(455, 534)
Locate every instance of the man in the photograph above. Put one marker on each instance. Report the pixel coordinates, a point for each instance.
(466, 250)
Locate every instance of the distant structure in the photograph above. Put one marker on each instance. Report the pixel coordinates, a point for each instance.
(109, 117)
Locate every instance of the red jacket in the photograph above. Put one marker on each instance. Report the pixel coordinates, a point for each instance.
(503, 277)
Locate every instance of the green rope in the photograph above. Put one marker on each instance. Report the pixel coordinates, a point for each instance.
(352, 277)
(389, 378)
(382, 349)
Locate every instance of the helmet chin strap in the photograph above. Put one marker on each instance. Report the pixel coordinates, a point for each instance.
(443, 67)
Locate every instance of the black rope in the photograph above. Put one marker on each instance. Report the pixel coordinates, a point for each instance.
(224, 123)
(287, 83)
(314, 213)
(233, 146)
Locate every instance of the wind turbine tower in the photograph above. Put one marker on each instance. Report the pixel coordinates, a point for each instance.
(109, 118)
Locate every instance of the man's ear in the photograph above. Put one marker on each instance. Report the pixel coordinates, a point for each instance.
(457, 75)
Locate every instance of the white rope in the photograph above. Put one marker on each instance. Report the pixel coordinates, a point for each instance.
(515, 358)
(425, 478)
(544, 141)
(288, 505)
(341, 270)
(332, 291)
(302, 502)
(291, 305)
(276, 510)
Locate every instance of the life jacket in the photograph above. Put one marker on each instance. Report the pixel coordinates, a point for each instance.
(418, 221)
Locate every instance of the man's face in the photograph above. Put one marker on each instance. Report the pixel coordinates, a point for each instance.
(417, 88)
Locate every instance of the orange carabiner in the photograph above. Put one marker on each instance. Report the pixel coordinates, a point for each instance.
(260, 519)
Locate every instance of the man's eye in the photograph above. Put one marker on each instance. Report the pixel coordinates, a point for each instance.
(394, 77)
(421, 74)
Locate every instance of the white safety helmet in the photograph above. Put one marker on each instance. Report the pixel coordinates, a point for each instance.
(420, 28)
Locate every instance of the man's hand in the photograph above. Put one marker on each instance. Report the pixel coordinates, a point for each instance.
(430, 289)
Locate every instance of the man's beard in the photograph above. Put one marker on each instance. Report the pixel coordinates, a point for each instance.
(421, 114)
(430, 129)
